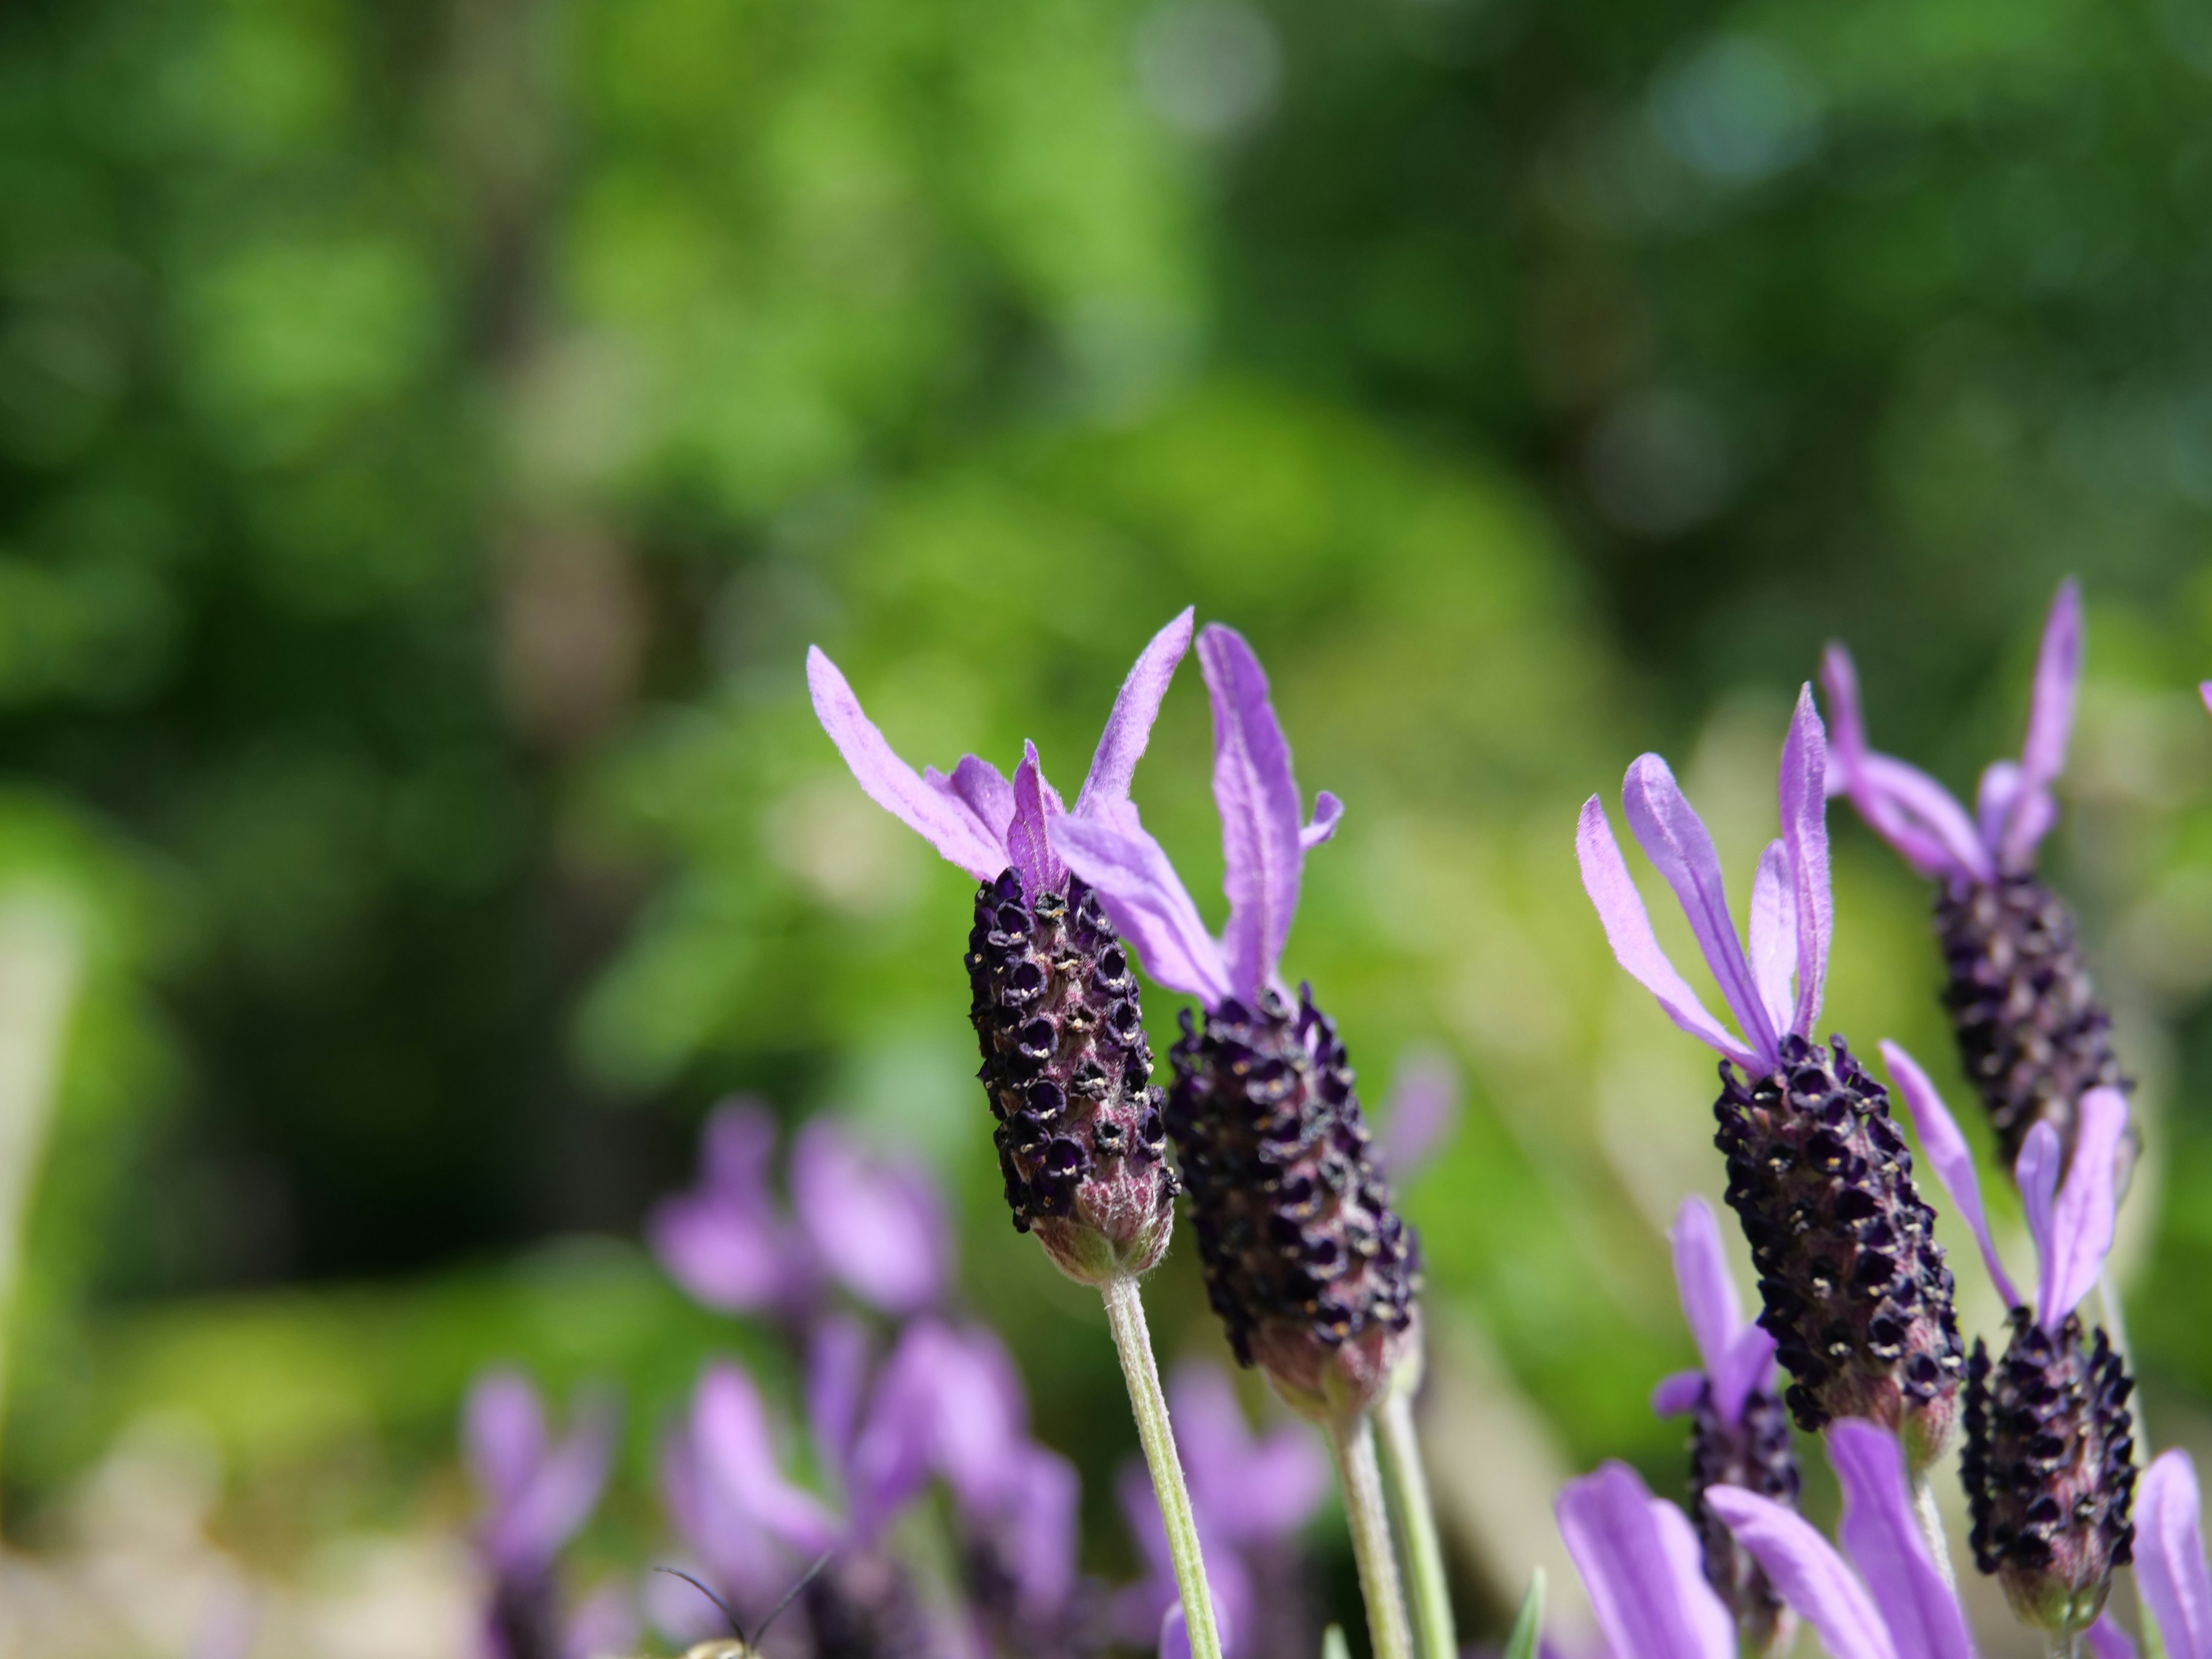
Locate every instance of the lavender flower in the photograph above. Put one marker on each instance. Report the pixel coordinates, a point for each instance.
(538, 1493)
(2030, 1029)
(876, 1229)
(1739, 1435)
(2170, 1568)
(1856, 1295)
(1640, 1561)
(1066, 1061)
(2048, 1465)
(1308, 1265)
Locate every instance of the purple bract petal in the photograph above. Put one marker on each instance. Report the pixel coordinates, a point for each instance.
(1674, 837)
(730, 1438)
(836, 1379)
(1710, 1305)
(528, 1524)
(1885, 1543)
(2204, 692)
(2036, 1174)
(1651, 1602)
(1677, 1396)
(2106, 1640)
(1774, 934)
(1628, 929)
(1847, 739)
(503, 1434)
(2079, 1234)
(981, 790)
(1144, 899)
(1803, 789)
(724, 1242)
(2170, 1556)
(1806, 1572)
(1420, 1113)
(1029, 842)
(2049, 722)
(878, 1227)
(1129, 727)
(1952, 1160)
(1904, 807)
(1994, 797)
(936, 814)
(891, 1457)
(1257, 797)
(1327, 813)
(1249, 1490)
(1040, 1529)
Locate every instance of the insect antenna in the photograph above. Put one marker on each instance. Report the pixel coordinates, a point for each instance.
(736, 1629)
(791, 1594)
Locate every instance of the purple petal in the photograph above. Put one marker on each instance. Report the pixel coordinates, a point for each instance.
(2050, 723)
(502, 1434)
(1650, 1603)
(1628, 930)
(836, 1377)
(730, 1437)
(877, 1226)
(739, 1554)
(1144, 899)
(1249, 1490)
(1994, 798)
(1885, 1543)
(607, 1622)
(1952, 1160)
(2080, 1228)
(978, 1415)
(891, 1454)
(1029, 842)
(1257, 797)
(724, 1242)
(1847, 740)
(561, 1494)
(1904, 807)
(1709, 1618)
(1774, 934)
(1420, 1113)
(1041, 1530)
(982, 792)
(1327, 812)
(2204, 691)
(2106, 1640)
(1806, 1572)
(1129, 727)
(934, 815)
(2170, 1556)
(1802, 787)
(2036, 1175)
(1709, 1306)
(1674, 837)
(1750, 1364)
(1678, 1395)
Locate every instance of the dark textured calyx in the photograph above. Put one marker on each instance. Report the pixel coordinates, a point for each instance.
(1753, 1453)
(525, 1614)
(1066, 1065)
(1857, 1298)
(2030, 1029)
(1294, 1222)
(864, 1607)
(2049, 1469)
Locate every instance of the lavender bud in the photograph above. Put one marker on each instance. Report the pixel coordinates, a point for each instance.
(2049, 1471)
(2031, 1030)
(1067, 1067)
(1856, 1296)
(1753, 1453)
(1313, 1274)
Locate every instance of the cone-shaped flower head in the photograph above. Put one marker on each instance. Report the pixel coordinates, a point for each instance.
(2049, 1464)
(1856, 1296)
(2030, 1029)
(1309, 1267)
(1739, 1433)
(2170, 1567)
(1641, 1562)
(1066, 1062)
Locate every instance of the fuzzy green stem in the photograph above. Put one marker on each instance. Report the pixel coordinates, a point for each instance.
(1931, 1523)
(1415, 1522)
(1133, 1341)
(1351, 1443)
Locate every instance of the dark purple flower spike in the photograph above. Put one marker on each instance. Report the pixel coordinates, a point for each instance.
(1066, 1062)
(1739, 1434)
(1855, 1293)
(2049, 1464)
(2030, 1029)
(1308, 1266)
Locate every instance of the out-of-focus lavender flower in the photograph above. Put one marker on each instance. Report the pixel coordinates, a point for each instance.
(2170, 1567)
(1252, 1496)
(2030, 1028)
(2049, 1461)
(876, 1227)
(1739, 1435)
(1308, 1266)
(1067, 1064)
(1856, 1295)
(1420, 1113)
(1640, 1561)
(537, 1492)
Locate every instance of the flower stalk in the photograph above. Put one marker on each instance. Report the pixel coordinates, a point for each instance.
(1133, 1342)
(1414, 1518)
(1360, 1475)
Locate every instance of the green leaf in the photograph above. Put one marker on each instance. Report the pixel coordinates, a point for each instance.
(1529, 1626)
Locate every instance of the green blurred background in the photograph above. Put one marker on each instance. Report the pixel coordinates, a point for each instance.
(431, 432)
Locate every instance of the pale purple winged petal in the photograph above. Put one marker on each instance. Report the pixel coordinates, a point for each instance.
(1420, 1112)
(2050, 723)
(1774, 934)
(1947, 1153)
(1806, 1572)
(978, 1418)
(1256, 795)
(939, 819)
(2204, 692)
(1247, 1489)
(1678, 1395)
(2106, 1640)
(1712, 1626)
(1129, 727)
(836, 1380)
(561, 1493)
(1628, 930)
(2170, 1556)
(1144, 899)
(1040, 1531)
(503, 1434)
(1750, 1364)
(1884, 1542)
(1904, 807)
(1649, 1604)
(892, 1453)
(1803, 797)
(1994, 798)
(2082, 1218)
(1674, 838)
(876, 1225)
(2036, 1174)
(1327, 813)
(1847, 740)
(1710, 1305)
(730, 1437)
(981, 790)
(724, 1241)
(1028, 840)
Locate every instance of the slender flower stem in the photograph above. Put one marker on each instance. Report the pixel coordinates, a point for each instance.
(1352, 1445)
(1133, 1341)
(1415, 1522)
(1931, 1522)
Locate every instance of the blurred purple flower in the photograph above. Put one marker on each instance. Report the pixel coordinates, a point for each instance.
(2170, 1556)
(1420, 1113)
(876, 1227)
(538, 1492)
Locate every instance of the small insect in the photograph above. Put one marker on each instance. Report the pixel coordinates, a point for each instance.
(741, 1647)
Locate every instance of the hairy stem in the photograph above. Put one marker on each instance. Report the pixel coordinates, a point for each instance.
(1415, 1522)
(1931, 1523)
(1133, 1341)
(1352, 1446)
